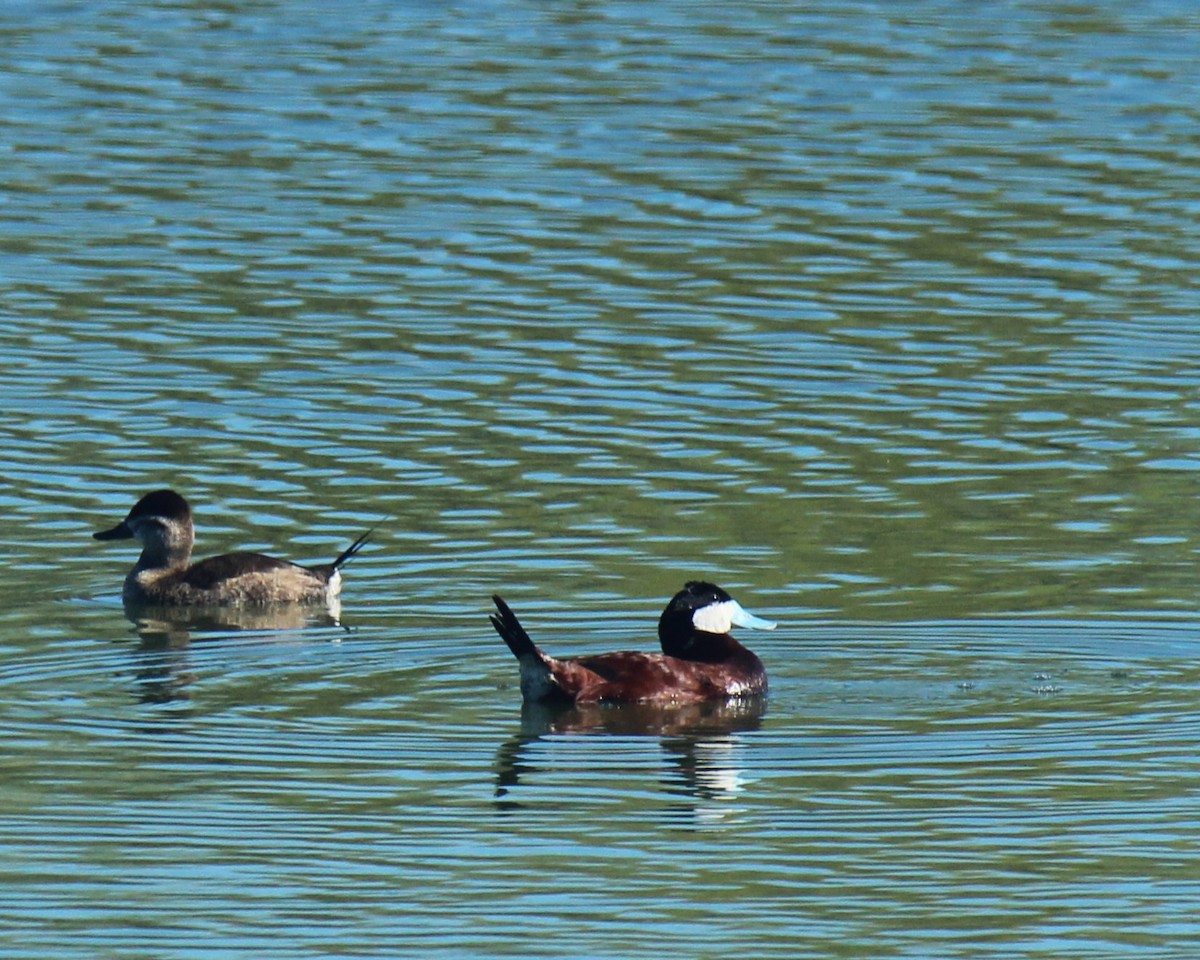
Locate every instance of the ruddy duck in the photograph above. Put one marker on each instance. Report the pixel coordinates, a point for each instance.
(700, 660)
(162, 523)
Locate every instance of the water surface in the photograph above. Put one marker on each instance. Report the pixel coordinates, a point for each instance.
(882, 319)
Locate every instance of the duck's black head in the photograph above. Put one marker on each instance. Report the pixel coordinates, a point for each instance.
(165, 508)
(166, 504)
(162, 523)
(698, 619)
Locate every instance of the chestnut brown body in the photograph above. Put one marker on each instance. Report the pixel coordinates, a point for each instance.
(695, 665)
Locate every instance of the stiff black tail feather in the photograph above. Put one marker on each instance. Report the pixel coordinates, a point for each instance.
(511, 631)
(351, 550)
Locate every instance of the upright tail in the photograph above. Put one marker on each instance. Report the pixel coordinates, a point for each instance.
(511, 631)
(348, 554)
(329, 571)
(541, 676)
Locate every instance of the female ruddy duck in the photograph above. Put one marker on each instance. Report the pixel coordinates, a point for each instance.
(700, 660)
(162, 523)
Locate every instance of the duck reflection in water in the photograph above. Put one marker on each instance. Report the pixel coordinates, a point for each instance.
(696, 696)
(166, 633)
(701, 743)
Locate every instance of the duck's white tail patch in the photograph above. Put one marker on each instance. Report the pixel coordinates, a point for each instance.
(537, 683)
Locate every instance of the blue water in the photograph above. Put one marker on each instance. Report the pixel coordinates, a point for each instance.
(882, 318)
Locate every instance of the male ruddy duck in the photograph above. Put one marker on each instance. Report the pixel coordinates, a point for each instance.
(162, 523)
(700, 660)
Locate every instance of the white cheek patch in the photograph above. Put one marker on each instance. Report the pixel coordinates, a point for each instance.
(721, 617)
(715, 618)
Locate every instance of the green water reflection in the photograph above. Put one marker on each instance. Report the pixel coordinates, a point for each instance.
(883, 318)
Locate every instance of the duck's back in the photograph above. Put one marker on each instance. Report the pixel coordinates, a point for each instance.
(232, 578)
(636, 677)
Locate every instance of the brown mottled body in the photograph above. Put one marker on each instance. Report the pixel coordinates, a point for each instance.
(164, 575)
(235, 578)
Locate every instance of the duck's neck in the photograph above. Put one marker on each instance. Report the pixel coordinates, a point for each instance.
(703, 647)
(171, 548)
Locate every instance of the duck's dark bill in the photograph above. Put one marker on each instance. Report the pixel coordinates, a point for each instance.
(120, 532)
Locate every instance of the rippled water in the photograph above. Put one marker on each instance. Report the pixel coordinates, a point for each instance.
(883, 318)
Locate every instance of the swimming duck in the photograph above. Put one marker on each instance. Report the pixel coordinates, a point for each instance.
(162, 523)
(700, 660)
